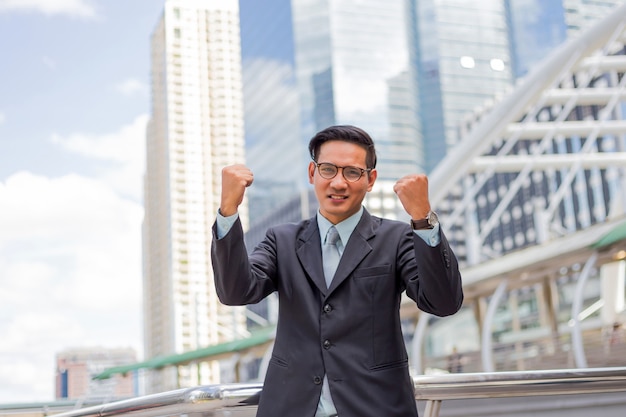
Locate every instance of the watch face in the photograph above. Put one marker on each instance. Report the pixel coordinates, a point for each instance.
(433, 220)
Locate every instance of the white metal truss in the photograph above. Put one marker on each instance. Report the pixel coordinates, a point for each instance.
(538, 178)
(548, 159)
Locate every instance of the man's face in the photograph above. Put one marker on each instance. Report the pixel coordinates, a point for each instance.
(337, 197)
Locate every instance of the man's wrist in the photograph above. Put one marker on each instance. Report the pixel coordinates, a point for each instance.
(227, 212)
(224, 224)
(429, 222)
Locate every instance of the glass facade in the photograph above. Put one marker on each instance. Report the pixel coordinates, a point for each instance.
(462, 61)
(580, 14)
(271, 110)
(352, 65)
(535, 29)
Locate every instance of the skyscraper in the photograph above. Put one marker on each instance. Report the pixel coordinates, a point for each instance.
(196, 128)
(352, 63)
(580, 14)
(271, 110)
(538, 27)
(535, 29)
(461, 61)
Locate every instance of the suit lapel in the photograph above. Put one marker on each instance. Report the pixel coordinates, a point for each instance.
(310, 254)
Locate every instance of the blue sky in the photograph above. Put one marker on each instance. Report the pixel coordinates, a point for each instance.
(74, 102)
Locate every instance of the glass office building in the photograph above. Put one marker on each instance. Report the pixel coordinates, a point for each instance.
(580, 14)
(461, 61)
(271, 110)
(352, 61)
(308, 65)
(535, 29)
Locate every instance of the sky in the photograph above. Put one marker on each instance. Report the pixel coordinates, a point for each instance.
(74, 103)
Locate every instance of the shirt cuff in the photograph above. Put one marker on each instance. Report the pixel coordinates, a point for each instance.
(430, 236)
(224, 224)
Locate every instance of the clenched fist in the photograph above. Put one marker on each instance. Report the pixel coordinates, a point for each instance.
(235, 179)
(412, 190)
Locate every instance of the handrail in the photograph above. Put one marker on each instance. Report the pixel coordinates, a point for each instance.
(436, 388)
(430, 388)
(182, 401)
(519, 383)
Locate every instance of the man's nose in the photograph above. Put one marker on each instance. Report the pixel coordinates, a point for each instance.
(339, 181)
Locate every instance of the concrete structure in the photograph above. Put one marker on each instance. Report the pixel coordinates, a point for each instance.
(196, 128)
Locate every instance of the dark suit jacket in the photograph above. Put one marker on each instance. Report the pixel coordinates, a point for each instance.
(350, 331)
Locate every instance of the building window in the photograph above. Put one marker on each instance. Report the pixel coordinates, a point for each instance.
(467, 62)
(497, 64)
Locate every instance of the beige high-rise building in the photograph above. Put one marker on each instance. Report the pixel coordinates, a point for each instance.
(196, 128)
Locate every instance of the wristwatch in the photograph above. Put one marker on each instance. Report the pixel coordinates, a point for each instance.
(429, 222)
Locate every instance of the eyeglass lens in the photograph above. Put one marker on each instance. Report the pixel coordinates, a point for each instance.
(329, 171)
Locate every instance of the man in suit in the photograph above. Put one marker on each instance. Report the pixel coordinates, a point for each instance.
(339, 349)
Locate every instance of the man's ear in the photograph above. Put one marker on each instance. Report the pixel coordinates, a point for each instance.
(371, 179)
(311, 172)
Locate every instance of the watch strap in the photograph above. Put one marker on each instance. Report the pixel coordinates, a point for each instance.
(420, 224)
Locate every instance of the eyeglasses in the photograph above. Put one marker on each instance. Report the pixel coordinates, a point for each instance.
(329, 171)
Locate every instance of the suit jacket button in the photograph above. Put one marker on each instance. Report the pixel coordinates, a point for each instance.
(317, 380)
(326, 344)
(327, 308)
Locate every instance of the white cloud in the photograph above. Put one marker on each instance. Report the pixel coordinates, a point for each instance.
(132, 86)
(125, 149)
(70, 260)
(70, 275)
(72, 8)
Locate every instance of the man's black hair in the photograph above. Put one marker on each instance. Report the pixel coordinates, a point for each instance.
(346, 133)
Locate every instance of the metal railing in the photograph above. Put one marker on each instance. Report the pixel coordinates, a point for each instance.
(437, 388)
(241, 399)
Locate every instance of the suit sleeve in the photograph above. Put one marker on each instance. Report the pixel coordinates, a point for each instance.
(237, 280)
(436, 288)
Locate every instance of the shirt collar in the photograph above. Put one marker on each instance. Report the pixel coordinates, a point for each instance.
(345, 227)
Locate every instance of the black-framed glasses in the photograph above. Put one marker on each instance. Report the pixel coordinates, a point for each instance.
(329, 171)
